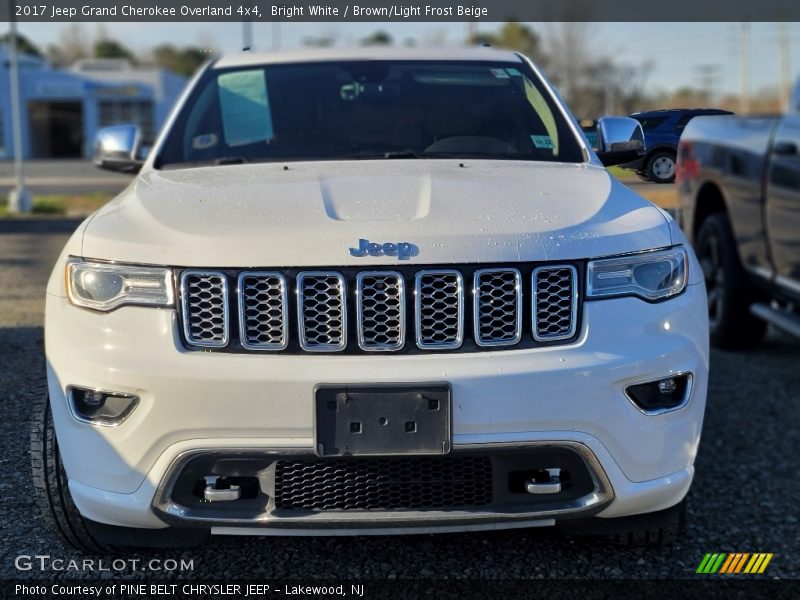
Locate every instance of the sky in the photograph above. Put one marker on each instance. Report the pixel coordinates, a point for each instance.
(676, 51)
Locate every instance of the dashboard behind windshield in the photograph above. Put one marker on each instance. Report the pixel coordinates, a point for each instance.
(368, 109)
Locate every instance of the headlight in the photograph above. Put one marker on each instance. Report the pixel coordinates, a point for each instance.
(106, 286)
(649, 275)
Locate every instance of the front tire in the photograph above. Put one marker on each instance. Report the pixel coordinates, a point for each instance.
(51, 487)
(731, 324)
(661, 167)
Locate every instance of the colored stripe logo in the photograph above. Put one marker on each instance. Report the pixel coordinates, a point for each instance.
(734, 563)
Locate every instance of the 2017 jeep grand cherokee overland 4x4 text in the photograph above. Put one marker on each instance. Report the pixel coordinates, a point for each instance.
(371, 292)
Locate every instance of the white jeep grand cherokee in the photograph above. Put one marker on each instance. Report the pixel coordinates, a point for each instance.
(371, 292)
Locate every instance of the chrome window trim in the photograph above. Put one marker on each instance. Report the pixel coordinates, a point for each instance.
(573, 304)
(284, 311)
(476, 312)
(300, 321)
(225, 308)
(418, 317)
(360, 313)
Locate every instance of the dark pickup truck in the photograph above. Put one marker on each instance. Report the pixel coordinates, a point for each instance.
(739, 185)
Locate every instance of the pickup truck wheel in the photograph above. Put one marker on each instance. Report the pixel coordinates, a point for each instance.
(50, 484)
(731, 324)
(661, 167)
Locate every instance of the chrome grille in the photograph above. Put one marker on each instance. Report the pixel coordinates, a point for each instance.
(381, 311)
(497, 315)
(309, 311)
(263, 322)
(384, 483)
(204, 297)
(555, 300)
(439, 309)
(322, 312)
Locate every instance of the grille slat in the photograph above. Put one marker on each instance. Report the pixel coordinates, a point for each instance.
(309, 311)
(322, 311)
(381, 311)
(439, 309)
(555, 299)
(498, 307)
(384, 483)
(204, 297)
(263, 322)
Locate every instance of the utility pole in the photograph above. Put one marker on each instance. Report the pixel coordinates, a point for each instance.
(247, 35)
(744, 80)
(785, 74)
(276, 35)
(19, 199)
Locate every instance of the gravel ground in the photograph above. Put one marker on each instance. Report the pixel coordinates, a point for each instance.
(744, 497)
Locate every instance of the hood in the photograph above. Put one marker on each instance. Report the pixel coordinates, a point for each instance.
(311, 214)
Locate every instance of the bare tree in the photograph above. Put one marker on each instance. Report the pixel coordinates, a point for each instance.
(73, 44)
(568, 56)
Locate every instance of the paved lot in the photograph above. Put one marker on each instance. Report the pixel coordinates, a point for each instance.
(62, 177)
(744, 497)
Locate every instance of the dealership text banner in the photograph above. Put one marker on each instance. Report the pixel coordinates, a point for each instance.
(387, 10)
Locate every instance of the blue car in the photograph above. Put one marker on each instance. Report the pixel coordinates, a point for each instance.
(662, 130)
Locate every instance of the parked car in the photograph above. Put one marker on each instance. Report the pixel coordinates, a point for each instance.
(739, 184)
(371, 291)
(662, 130)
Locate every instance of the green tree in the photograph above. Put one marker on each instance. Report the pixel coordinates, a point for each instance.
(513, 36)
(24, 45)
(184, 61)
(108, 48)
(377, 38)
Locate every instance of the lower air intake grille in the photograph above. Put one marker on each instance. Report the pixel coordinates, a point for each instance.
(384, 483)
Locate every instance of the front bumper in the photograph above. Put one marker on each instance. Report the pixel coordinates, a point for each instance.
(560, 395)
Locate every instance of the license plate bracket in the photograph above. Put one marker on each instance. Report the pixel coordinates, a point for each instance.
(380, 420)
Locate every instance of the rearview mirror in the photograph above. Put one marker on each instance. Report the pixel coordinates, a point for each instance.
(119, 148)
(619, 140)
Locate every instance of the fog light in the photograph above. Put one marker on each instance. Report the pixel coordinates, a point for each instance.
(661, 395)
(100, 407)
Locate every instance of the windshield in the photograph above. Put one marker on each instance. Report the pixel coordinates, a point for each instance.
(368, 109)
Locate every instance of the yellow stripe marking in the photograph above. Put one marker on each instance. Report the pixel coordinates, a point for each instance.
(755, 563)
(765, 563)
(751, 564)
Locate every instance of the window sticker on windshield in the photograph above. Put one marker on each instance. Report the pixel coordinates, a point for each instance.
(204, 141)
(542, 141)
(513, 72)
(499, 73)
(539, 104)
(243, 100)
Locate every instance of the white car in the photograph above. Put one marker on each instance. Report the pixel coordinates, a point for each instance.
(371, 292)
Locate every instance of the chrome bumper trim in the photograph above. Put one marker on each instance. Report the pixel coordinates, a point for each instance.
(176, 514)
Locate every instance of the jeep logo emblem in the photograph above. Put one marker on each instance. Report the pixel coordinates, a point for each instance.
(402, 250)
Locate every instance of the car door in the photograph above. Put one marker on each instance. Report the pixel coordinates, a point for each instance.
(783, 204)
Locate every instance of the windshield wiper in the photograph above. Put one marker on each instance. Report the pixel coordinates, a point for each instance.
(391, 154)
(230, 160)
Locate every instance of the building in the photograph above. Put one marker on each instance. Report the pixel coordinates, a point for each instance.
(62, 109)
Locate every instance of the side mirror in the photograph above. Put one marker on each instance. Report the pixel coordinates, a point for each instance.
(119, 148)
(619, 140)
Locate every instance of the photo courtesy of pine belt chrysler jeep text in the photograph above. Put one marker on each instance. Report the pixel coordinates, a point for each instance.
(374, 291)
